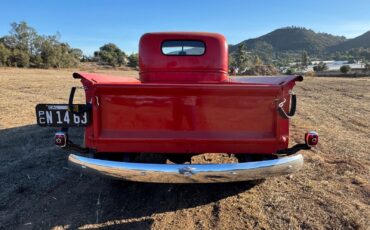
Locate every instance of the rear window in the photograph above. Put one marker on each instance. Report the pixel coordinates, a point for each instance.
(183, 48)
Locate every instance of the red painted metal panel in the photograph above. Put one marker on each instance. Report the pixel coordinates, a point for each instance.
(212, 66)
(90, 79)
(233, 117)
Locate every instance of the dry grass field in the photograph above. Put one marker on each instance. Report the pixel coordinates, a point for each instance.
(39, 191)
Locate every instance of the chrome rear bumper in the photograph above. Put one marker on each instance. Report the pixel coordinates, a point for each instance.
(188, 173)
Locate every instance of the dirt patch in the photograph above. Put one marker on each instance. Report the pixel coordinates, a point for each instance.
(39, 191)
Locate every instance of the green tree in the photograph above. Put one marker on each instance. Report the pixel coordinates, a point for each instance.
(4, 54)
(133, 60)
(110, 54)
(257, 61)
(231, 61)
(49, 52)
(289, 71)
(22, 37)
(19, 58)
(320, 67)
(241, 56)
(22, 43)
(304, 60)
(54, 54)
(76, 53)
(345, 68)
(65, 56)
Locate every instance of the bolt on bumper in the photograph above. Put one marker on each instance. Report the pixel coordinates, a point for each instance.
(187, 173)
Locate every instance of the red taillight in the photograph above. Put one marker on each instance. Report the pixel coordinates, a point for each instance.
(61, 139)
(311, 138)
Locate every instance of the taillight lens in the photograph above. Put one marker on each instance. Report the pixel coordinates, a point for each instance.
(311, 138)
(61, 139)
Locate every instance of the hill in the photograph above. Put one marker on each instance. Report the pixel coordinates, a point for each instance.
(362, 41)
(292, 39)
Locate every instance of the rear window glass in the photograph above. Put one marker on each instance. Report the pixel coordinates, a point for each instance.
(183, 48)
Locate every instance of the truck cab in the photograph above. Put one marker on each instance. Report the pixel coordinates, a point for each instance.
(183, 58)
(183, 104)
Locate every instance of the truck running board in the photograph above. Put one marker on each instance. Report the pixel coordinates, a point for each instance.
(187, 173)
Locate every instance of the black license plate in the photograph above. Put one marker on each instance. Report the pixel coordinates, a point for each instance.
(58, 115)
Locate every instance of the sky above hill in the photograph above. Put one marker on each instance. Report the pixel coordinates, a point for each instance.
(88, 24)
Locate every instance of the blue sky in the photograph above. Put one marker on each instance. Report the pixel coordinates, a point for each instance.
(88, 24)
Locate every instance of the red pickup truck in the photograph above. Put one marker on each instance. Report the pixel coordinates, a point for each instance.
(182, 105)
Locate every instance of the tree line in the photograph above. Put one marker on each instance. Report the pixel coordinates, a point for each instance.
(24, 47)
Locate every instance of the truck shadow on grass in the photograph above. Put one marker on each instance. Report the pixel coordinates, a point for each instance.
(40, 191)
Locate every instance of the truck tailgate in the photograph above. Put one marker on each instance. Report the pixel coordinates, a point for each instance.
(239, 116)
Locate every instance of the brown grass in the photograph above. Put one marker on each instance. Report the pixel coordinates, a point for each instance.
(22, 89)
(331, 192)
